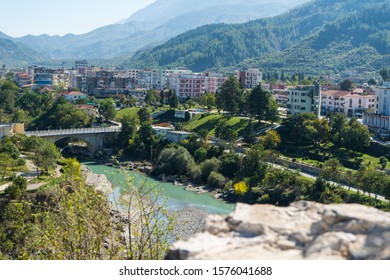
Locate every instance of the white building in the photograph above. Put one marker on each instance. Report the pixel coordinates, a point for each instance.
(350, 103)
(379, 122)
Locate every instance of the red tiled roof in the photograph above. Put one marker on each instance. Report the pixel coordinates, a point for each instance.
(336, 93)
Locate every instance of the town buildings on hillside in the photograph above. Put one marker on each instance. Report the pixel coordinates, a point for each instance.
(136, 82)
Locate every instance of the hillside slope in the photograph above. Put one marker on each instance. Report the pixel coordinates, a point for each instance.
(15, 54)
(155, 24)
(223, 45)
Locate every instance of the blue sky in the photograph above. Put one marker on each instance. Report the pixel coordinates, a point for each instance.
(55, 17)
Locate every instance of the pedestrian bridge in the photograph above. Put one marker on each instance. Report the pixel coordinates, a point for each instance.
(94, 137)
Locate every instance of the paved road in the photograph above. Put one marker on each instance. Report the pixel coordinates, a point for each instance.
(379, 197)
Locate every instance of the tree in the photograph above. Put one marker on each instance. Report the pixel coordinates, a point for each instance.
(150, 226)
(383, 161)
(173, 100)
(331, 170)
(6, 146)
(151, 97)
(46, 157)
(83, 217)
(17, 188)
(107, 108)
(299, 128)
(209, 166)
(208, 100)
(354, 136)
(175, 161)
(323, 129)
(216, 180)
(249, 134)
(370, 180)
(6, 163)
(372, 82)
(385, 74)
(253, 166)
(229, 96)
(346, 85)
(224, 131)
(129, 127)
(204, 133)
(271, 140)
(63, 115)
(261, 104)
(200, 155)
(283, 77)
(144, 115)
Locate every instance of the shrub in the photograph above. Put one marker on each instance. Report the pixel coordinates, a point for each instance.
(209, 166)
(240, 188)
(216, 180)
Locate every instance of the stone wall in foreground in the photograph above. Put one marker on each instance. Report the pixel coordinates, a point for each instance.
(304, 230)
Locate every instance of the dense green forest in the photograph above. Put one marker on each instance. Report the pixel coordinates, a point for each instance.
(360, 41)
(348, 32)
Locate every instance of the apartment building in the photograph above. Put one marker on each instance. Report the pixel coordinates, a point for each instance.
(379, 120)
(351, 103)
(250, 78)
(304, 99)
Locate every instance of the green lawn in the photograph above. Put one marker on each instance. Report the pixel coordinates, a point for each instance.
(132, 111)
(316, 156)
(209, 122)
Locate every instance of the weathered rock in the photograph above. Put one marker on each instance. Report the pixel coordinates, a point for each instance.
(99, 181)
(304, 230)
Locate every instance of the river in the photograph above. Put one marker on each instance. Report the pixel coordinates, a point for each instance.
(177, 196)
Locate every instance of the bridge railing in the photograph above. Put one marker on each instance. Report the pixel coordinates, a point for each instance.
(74, 131)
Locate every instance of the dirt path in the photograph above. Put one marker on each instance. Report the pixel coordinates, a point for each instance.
(30, 175)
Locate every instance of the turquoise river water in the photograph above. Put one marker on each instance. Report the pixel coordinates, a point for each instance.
(177, 197)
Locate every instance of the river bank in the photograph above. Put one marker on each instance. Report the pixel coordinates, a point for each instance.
(147, 170)
(189, 220)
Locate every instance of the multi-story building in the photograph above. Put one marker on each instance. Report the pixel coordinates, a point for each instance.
(23, 79)
(195, 85)
(43, 79)
(379, 121)
(351, 103)
(190, 86)
(81, 67)
(250, 78)
(304, 99)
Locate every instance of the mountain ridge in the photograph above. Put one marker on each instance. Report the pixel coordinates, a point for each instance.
(216, 46)
(151, 26)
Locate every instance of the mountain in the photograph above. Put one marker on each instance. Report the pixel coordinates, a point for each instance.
(15, 54)
(360, 41)
(153, 25)
(4, 36)
(224, 45)
(162, 11)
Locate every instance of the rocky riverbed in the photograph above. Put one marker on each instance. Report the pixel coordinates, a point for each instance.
(99, 181)
(188, 221)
